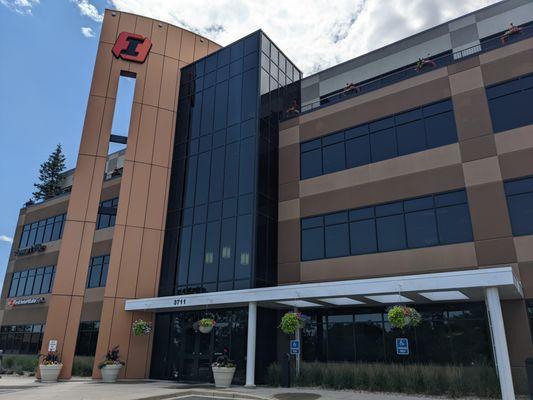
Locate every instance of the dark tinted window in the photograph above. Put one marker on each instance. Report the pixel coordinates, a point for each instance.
(107, 212)
(520, 203)
(98, 268)
(421, 222)
(510, 103)
(405, 133)
(32, 281)
(42, 231)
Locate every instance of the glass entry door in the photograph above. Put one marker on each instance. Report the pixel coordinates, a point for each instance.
(196, 356)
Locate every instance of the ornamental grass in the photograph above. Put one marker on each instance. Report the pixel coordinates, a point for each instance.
(428, 379)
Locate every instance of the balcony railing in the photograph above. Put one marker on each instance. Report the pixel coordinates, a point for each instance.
(412, 70)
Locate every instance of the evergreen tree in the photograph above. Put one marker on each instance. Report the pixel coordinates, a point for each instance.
(50, 176)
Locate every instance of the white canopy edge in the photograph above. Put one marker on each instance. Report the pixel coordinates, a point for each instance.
(501, 277)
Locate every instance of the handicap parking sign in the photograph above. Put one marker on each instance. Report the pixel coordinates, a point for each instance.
(402, 346)
(295, 347)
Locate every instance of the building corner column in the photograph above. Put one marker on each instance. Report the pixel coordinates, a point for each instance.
(499, 343)
(251, 342)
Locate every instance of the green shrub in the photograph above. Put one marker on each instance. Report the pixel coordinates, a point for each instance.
(82, 366)
(441, 380)
(273, 375)
(20, 362)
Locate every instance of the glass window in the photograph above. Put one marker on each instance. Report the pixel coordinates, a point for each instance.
(363, 237)
(231, 174)
(406, 133)
(41, 231)
(520, 204)
(22, 283)
(184, 253)
(333, 158)
(14, 284)
(227, 249)
(440, 130)
(211, 252)
(509, 103)
(311, 164)
(312, 244)
(358, 151)
(391, 233)
(197, 254)
(243, 259)
(411, 137)
(454, 224)
(337, 240)
(421, 229)
(411, 223)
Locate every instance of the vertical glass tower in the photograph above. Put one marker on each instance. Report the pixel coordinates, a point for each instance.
(222, 210)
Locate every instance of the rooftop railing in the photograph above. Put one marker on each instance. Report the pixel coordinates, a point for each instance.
(417, 68)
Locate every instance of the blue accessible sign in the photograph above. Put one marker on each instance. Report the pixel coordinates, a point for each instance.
(295, 347)
(402, 346)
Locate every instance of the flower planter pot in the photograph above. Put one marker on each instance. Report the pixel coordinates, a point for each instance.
(205, 329)
(223, 376)
(110, 373)
(49, 373)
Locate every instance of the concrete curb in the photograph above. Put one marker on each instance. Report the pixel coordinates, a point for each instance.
(206, 393)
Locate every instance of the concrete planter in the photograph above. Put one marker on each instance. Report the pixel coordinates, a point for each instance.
(49, 373)
(223, 376)
(110, 373)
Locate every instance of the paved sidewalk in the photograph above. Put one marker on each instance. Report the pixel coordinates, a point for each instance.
(26, 388)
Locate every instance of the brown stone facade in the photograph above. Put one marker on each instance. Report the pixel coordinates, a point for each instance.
(136, 239)
(479, 162)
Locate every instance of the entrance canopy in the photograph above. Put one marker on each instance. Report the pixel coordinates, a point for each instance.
(465, 285)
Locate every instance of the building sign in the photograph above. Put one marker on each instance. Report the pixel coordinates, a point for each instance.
(52, 345)
(131, 47)
(402, 346)
(29, 250)
(295, 347)
(23, 302)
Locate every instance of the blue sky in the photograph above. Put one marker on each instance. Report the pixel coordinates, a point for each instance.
(48, 48)
(46, 66)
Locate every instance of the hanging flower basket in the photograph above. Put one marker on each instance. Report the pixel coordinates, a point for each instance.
(291, 321)
(205, 325)
(401, 316)
(141, 328)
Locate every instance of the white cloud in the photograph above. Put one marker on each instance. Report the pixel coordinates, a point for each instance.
(87, 32)
(20, 6)
(315, 34)
(5, 238)
(88, 10)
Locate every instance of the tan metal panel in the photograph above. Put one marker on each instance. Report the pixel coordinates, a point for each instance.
(143, 27)
(155, 212)
(173, 42)
(126, 22)
(102, 66)
(109, 32)
(159, 37)
(200, 48)
(91, 125)
(163, 138)
(146, 280)
(129, 263)
(105, 129)
(125, 189)
(145, 139)
(114, 261)
(168, 84)
(152, 84)
(187, 47)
